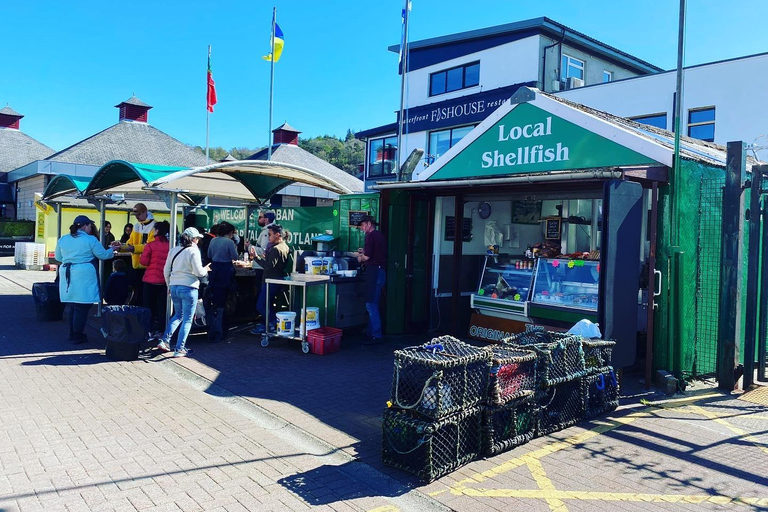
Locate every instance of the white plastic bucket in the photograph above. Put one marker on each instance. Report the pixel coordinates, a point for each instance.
(285, 323)
(313, 265)
(328, 265)
(313, 318)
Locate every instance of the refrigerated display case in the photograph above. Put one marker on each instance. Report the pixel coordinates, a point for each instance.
(565, 289)
(504, 289)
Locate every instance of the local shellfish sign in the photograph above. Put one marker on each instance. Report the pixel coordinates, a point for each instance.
(529, 139)
(536, 153)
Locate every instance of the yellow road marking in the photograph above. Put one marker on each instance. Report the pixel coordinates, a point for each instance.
(386, 508)
(544, 483)
(614, 496)
(716, 418)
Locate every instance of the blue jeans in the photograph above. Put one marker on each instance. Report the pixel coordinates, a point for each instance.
(184, 302)
(261, 304)
(78, 317)
(374, 317)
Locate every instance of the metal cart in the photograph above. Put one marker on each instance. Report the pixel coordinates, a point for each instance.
(302, 281)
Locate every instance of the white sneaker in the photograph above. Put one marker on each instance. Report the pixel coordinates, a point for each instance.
(163, 346)
(184, 353)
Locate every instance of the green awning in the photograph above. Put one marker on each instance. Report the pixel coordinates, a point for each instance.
(118, 172)
(64, 184)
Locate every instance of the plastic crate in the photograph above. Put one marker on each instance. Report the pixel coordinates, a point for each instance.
(597, 355)
(324, 340)
(430, 449)
(601, 393)
(508, 426)
(440, 378)
(560, 355)
(512, 374)
(560, 406)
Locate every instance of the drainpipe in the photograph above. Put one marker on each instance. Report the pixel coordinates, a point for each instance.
(544, 64)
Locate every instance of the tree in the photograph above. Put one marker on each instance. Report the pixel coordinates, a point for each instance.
(346, 154)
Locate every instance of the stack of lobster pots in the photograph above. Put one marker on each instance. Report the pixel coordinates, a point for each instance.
(452, 403)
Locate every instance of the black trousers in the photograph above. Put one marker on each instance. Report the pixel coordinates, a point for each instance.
(155, 297)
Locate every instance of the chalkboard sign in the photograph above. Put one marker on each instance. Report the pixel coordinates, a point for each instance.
(466, 228)
(553, 229)
(355, 216)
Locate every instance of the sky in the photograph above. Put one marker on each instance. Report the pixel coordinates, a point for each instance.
(67, 64)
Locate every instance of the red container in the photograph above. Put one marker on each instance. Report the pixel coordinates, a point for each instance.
(324, 340)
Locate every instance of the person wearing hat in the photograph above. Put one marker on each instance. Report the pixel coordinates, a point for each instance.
(183, 270)
(373, 257)
(79, 284)
(274, 268)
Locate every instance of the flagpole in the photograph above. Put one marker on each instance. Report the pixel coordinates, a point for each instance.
(271, 83)
(207, 112)
(403, 68)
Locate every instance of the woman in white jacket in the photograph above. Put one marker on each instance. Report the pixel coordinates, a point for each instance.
(183, 270)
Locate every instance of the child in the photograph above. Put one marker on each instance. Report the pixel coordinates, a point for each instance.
(118, 290)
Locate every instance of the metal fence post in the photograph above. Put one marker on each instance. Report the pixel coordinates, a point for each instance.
(730, 289)
(753, 254)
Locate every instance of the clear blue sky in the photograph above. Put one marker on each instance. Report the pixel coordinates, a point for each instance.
(66, 64)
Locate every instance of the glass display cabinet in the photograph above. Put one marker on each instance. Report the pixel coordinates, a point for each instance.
(505, 287)
(565, 289)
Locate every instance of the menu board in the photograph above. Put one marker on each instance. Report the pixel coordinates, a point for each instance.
(355, 216)
(450, 228)
(552, 229)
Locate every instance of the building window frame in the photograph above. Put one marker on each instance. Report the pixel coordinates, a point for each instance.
(643, 119)
(443, 76)
(388, 165)
(567, 63)
(701, 121)
(607, 76)
(431, 156)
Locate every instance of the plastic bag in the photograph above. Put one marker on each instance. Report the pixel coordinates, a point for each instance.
(199, 319)
(586, 329)
(126, 324)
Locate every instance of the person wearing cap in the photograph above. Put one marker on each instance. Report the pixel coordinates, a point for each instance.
(266, 219)
(143, 233)
(183, 270)
(78, 279)
(373, 257)
(274, 268)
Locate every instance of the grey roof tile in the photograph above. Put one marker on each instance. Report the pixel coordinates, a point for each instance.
(133, 142)
(287, 128)
(8, 111)
(133, 100)
(18, 149)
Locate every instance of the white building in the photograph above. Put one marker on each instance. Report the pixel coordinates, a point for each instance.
(456, 81)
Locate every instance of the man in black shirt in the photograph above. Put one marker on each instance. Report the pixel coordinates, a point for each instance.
(373, 257)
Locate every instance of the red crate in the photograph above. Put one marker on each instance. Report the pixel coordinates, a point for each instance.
(324, 340)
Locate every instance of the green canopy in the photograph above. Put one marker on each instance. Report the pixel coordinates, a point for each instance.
(118, 173)
(64, 184)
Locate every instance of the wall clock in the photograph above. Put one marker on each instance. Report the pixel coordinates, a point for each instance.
(484, 210)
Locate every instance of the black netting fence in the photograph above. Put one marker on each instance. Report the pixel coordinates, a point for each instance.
(508, 426)
(597, 355)
(440, 378)
(601, 393)
(512, 374)
(560, 355)
(430, 449)
(560, 406)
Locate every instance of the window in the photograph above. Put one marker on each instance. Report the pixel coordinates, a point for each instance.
(382, 157)
(453, 79)
(701, 124)
(440, 142)
(607, 76)
(657, 120)
(571, 67)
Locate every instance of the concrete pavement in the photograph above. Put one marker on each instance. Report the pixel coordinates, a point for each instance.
(242, 427)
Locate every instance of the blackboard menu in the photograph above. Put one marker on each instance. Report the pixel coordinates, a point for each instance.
(553, 229)
(355, 216)
(466, 228)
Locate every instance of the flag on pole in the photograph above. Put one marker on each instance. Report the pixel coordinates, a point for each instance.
(276, 45)
(211, 96)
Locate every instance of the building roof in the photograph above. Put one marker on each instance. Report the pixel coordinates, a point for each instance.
(501, 34)
(378, 130)
(294, 155)
(287, 128)
(133, 142)
(8, 111)
(18, 149)
(133, 100)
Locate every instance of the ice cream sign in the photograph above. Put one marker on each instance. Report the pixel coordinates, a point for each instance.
(531, 153)
(529, 139)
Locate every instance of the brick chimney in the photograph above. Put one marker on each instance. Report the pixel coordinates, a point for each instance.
(133, 109)
(9, 118)
(286, 134)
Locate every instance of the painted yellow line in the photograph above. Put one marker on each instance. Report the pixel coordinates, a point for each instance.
(614, 496)
(544, 483)
(744, 435)
(386, 508)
